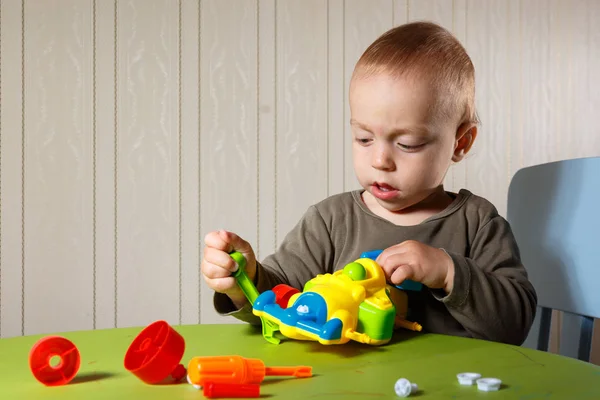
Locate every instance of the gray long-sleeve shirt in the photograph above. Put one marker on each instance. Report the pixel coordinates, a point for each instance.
(491, 299)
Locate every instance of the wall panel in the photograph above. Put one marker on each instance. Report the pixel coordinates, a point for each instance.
(301, 156)
(189, 121)
(11, 169)
(104, 127)
(488, 162)
(228, 125)
(147, 169)
(58, 169)
(266, 86)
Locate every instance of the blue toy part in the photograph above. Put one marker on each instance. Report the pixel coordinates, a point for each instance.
(308, 314)
(406, 285)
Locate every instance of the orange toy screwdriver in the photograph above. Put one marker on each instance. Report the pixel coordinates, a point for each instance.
(238, 370)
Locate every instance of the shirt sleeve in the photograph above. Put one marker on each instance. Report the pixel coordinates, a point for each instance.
(492, 297)
(305, 252)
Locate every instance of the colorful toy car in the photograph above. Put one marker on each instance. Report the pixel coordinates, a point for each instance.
(354, 303)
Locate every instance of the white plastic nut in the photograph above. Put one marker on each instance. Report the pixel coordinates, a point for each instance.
(488, 384)
(302, 309)
(195, 386)
(404, 387)
(468, 378)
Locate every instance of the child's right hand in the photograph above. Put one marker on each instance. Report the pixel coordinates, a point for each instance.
(217, 266)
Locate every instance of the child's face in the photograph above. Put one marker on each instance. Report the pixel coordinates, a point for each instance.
(401, 148)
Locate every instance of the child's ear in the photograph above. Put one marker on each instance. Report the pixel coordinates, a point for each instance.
(465, 136)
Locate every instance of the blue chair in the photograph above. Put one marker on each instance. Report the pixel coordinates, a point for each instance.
(554, 211)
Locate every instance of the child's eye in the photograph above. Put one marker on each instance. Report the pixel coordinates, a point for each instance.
(409, 147)
(363, 141)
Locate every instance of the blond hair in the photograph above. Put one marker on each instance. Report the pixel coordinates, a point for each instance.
(428, 51)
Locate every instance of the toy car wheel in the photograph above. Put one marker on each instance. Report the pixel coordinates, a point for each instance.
(283, 293)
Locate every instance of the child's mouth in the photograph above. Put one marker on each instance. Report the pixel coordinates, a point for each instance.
(383, 191)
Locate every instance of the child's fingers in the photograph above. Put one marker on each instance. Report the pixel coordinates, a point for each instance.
(383, 256)
(402, 273)
(228, 241)
(221, 285)
(401, 248)
(217, 240)
(392, 262)
(213, 271)
(235, 242)
(217, 263)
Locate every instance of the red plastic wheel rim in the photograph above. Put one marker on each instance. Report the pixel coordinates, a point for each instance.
(40, 360)
(155, 353)
(283, 293)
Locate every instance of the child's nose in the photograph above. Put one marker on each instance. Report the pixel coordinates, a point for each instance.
(383, 160)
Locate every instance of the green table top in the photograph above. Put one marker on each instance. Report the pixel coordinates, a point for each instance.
(352, 370)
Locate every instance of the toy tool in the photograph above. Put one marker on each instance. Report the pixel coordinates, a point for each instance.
(155, 354)
(237, 370)
(44, 351)
(248, 288)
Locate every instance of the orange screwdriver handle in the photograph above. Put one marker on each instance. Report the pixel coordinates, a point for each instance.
(225, 369)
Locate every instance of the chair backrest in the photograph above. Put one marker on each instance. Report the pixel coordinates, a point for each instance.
(554, 211)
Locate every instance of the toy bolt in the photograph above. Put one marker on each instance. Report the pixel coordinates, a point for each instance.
(468, 378)
(488, 384)
(404, 387)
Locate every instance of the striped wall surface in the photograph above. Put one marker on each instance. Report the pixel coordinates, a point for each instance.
(130, 129)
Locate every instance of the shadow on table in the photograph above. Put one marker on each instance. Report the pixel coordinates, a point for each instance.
(91, 377)
(347, 350)
(277, 379)
(354, 349)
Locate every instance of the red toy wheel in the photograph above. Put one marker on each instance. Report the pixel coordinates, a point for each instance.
(54, 347)
(155, 353)
(283, 293)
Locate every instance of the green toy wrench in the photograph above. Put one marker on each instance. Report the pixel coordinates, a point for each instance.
(268, 327)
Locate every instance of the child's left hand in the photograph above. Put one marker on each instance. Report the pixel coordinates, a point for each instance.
(419, 262)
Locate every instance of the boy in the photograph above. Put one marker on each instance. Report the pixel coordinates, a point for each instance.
(412, 114)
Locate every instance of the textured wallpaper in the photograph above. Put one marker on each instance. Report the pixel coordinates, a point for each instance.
(130, 129)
